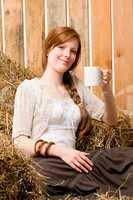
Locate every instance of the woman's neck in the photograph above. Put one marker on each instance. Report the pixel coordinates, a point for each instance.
(54, 81)
(50, 77)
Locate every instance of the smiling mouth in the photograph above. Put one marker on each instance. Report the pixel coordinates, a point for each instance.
(64, 61)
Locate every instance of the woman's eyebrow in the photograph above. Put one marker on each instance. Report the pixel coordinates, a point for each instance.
(75, 49)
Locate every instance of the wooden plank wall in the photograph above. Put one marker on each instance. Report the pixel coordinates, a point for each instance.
(14, 29)
(105, 27)
(123, 27)
(56, 13)
(101, 36)
(1, 47)
(34, 30)
(78, 19)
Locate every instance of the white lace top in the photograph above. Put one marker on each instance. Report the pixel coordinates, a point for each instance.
(40, 116)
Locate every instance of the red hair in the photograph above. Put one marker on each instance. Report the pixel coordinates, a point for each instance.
(58, 36)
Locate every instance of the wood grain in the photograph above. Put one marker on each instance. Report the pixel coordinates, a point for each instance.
(14, 30)
(101, 36)
(1, 42)
(56, 13)
(78, 19)
(123, 23)
(34, 32)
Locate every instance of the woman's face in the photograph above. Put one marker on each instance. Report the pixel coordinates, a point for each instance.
(61, 57)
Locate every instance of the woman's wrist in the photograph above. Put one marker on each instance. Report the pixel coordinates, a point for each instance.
(38, 146)
(56, 150)
(107, 91)
(42, 147)
(49, 145)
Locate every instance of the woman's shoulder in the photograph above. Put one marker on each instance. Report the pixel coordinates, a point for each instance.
(28, 84)
(28, 87)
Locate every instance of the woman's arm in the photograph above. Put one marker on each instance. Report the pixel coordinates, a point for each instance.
(25, 144)
(78, 160)
(110, 114)
(24, 105)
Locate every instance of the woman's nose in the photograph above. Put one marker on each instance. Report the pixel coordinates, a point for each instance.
(67, 52)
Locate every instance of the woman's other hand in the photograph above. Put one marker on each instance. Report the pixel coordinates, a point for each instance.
(110, 114)
(78, 160)
(107, 76)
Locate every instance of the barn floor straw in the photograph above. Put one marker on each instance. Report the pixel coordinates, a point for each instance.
(17, 177)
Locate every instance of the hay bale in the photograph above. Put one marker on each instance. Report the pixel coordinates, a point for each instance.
(96, 197)
(18, 179)
(11, 75)
(108, 197)
(104, 136)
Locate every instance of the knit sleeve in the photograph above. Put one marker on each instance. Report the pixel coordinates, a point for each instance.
(23, 110)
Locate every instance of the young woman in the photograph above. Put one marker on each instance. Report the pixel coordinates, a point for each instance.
(51, 111)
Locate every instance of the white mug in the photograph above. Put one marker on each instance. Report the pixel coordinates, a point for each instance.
(92, 76)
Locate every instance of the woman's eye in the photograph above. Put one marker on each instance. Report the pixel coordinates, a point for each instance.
(74, 51)
(61, 47)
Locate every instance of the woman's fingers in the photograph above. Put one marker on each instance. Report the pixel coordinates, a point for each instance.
(107, 76)
(75, 167)
(78, 160)
(82, 163)
(80, 166)
(84, 156)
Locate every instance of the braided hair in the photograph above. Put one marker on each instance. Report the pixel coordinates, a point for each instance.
(85, 123)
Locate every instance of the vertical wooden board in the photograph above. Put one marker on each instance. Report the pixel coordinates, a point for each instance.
(56, 13)
(123, 26)
(78, 19)
(101, 36)
(1, 42)
(14, 29)
(34, 31)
